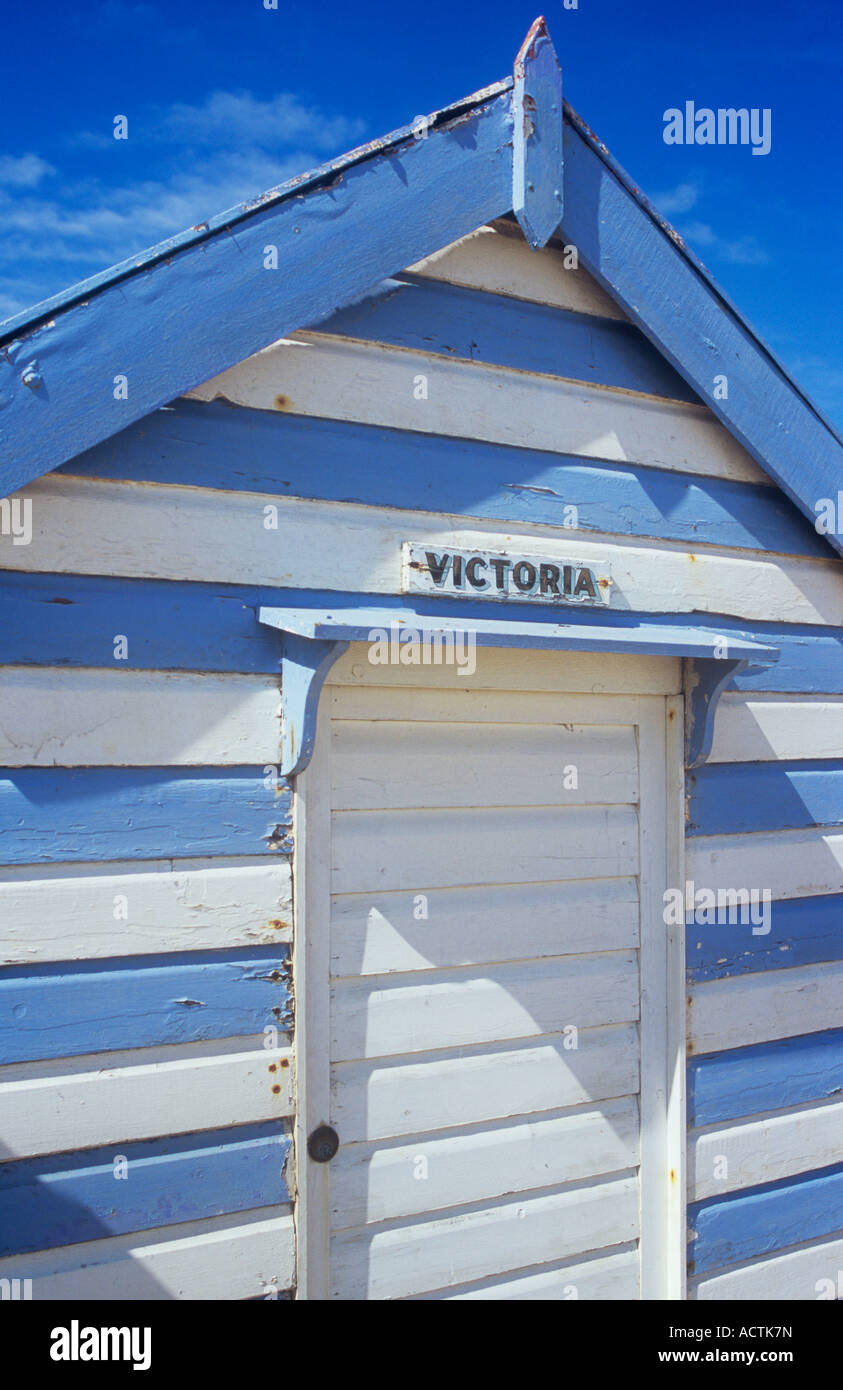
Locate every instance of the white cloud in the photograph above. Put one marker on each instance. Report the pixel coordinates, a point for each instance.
(228, 119)
(746, 250)
(679, 199)
(23, 171)
(207, 159)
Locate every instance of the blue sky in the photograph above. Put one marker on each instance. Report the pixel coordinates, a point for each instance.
(225, 99)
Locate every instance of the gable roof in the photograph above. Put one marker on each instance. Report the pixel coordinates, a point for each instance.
(185, 310)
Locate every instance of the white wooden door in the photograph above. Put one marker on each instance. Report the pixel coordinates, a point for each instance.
(482, 983)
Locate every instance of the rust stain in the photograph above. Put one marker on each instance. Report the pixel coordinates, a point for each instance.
(285, 1062)
(272, 1066)
(282, 402)
(276, 1090)
(277, 923)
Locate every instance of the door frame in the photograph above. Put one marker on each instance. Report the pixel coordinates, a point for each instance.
(662, 1180)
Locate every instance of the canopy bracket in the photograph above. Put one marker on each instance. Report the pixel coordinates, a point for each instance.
(317, 628)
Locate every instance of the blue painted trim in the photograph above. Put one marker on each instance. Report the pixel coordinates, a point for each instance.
(429, 316)
(767, 1076)
(304, 668)
(503, 625)
(705, 682)
(70, 620)
(761, 1220)
(803, 931)
(65, 815)
(646, 269)
(731, 798)
(396, 203)
(325, 175)
(73, 1007)
(66, 1199)
(537, 170)
(214, 445)
(718, 293)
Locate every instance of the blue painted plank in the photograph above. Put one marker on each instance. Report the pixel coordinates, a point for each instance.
(767, 1076)
(761, 1220)
(628, 251)
(811, 660)
(65, 1009)
(66, 1199)
(211, 444)
(730, 798)
(335, 237)
(71, 620)
(429, 316)
(63, 815)
(802, 931)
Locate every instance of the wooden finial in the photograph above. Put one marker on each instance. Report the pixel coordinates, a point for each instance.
(537, 137)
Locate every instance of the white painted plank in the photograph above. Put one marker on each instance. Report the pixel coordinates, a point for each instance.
(168, 532)
(443, 849)
(432, 1173)
(462, 705)
(376, 1100)
(497, 259)
(74, 911)
(764, 1149)
(408, 1259)
(753, 729)
(248, 1255)
(69, 717)
(676, 1121)
(606, 1277)
(810, 1272)
(311, 967)
(758, 1008)
(387, 932)
(517, 669)
(662, 1245)
(45, 1114)
(792, 864)
(374, 1018)
(382, 766)
(340, 379)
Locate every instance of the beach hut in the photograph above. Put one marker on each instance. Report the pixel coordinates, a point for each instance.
(421, 751)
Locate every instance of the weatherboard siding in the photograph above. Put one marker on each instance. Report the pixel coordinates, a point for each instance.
(764, 1018)
(153, 780)
(212, 536)
(497, 258)
(146, 992)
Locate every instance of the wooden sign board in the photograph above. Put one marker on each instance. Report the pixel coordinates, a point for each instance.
(512, 576)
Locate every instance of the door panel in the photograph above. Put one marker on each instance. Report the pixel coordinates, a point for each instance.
(487, 893)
